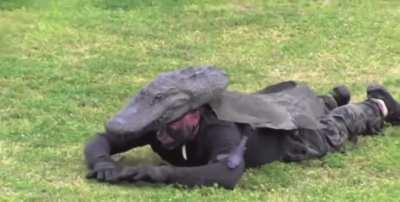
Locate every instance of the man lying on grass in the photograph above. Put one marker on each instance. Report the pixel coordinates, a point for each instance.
(210, 135)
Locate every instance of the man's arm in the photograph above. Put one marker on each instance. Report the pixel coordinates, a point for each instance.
(220, 141)
(105, 144)
(214, 173)
(98, 151)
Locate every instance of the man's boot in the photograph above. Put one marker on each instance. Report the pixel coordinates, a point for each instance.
(340, 95)
(393, 107)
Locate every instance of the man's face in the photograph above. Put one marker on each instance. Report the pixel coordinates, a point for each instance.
(180, 131)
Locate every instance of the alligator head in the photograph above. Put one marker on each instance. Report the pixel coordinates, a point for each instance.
(169, 97)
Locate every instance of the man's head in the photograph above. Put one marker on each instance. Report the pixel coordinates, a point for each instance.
(168, 97)
(180, 131)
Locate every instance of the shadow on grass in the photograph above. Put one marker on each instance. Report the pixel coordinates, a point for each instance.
(17, 4)
(134, 4)
(103, 4)
(138, 156)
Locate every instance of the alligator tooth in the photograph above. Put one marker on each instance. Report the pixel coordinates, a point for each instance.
(184, 154)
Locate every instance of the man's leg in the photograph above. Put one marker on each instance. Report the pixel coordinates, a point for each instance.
(365, 118)
(341, 124)
(349, 121)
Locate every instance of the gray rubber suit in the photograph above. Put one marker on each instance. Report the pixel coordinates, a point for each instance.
(308, 128)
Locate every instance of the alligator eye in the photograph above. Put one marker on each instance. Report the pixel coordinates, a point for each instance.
(157, 98)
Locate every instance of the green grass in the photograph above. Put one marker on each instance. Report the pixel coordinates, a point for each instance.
(66, 66)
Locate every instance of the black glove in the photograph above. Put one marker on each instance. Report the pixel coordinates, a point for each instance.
(107, 171)
(154, 174)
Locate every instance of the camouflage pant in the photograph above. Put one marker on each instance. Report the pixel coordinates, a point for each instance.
(339, 125)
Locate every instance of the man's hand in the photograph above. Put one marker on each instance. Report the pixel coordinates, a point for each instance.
(154, 174)
(107, 171)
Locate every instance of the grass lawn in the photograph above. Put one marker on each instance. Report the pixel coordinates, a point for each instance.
(66, 66)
